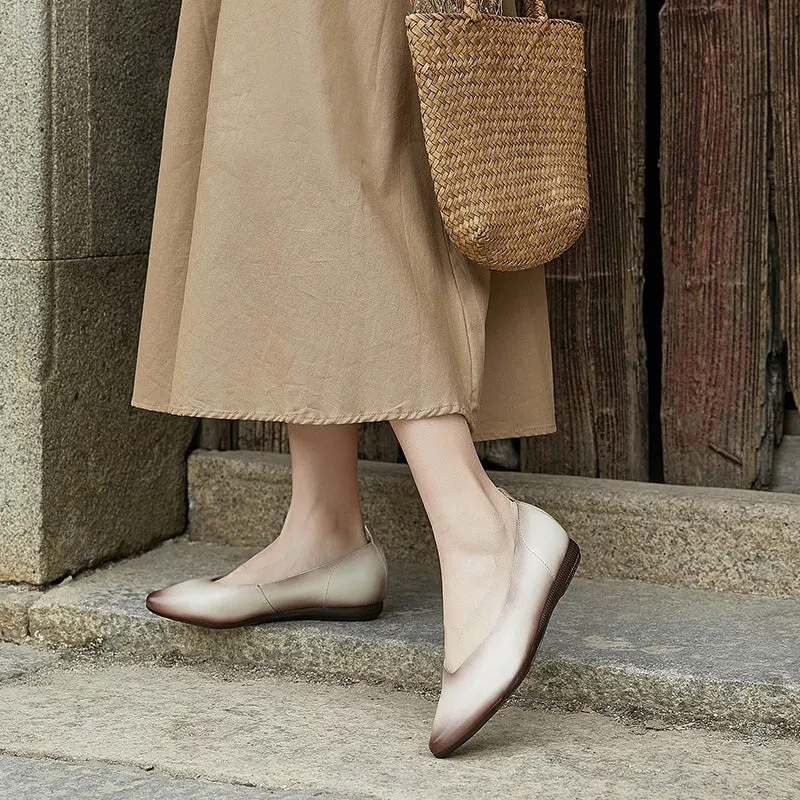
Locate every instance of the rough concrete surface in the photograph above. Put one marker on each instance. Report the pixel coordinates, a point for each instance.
(36, 778)
(622, 646)
(22, 659)
(82, 93)
(84, 476)
(110, 66)
(24, 122)
(23, 324)
(114, 476)
(15, 600)
(693, 536)
(362, 741)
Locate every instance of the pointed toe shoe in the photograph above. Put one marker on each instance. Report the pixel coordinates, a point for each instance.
(544, 562)
(352, 587)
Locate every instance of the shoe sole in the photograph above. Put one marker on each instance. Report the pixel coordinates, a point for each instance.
(565, 574)
(343, 614)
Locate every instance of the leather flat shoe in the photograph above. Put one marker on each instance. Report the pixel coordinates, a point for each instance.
(545, 560)
(352, 587)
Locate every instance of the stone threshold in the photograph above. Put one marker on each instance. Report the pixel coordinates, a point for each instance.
(683, 536)
(713, 659)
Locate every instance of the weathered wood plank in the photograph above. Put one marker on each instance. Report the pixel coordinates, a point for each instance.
(719, 376)
(499, 453)
(784, 50)
(377, 442)
(595, 289)
(262, 435)
(216, 434)
(376, 439)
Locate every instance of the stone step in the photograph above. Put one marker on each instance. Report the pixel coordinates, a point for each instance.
(87, 728)
(691, 536)
(621, 647)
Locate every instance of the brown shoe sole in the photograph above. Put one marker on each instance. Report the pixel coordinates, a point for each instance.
(563, 577)
(344, 614)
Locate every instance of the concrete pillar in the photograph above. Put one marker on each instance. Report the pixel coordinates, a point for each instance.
(84, 476)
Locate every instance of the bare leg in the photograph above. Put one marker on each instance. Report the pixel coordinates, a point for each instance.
(324, 520)
(473, 523)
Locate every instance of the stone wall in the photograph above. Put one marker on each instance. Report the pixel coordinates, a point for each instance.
(84, 476)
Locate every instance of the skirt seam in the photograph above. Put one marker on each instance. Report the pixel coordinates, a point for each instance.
(473, 386)
(301, 418)
(533, 430)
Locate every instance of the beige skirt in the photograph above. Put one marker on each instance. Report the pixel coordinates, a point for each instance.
(298, 268)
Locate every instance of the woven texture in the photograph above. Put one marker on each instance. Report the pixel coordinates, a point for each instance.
(502, 101)
(446, 6)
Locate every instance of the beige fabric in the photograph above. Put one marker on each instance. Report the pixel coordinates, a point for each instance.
(298, 266)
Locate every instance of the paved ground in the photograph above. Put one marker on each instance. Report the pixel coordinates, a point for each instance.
(107, 730)
(35, 779)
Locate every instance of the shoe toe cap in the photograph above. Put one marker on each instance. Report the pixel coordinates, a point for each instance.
(439, 744)
(152, 600)
(176, 601)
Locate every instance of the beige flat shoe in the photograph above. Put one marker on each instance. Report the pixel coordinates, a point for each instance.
(545, 559)
(352, 587)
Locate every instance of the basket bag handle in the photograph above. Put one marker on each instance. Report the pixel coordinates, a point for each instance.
(531, 8)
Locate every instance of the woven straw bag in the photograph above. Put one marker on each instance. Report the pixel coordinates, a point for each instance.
(502, 101)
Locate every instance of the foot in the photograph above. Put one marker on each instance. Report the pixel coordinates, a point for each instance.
(476, 557)
(544, 561)
(305, 542)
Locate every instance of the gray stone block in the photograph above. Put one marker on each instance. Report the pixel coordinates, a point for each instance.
(694, 536)
(111, 65)
(24, 314)
(86, 476)
(82, 92)
(83, 476)
(24, 127)
(680, 655)
(14, 604)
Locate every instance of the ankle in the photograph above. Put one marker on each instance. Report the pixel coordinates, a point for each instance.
(483, 523)
(337, 530)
